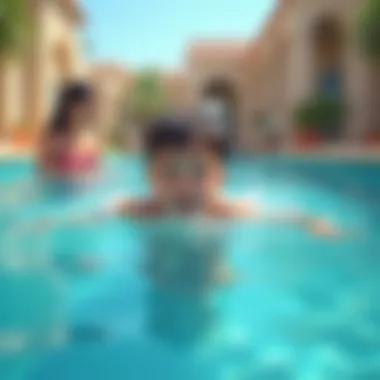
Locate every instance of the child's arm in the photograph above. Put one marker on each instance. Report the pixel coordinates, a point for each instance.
(120, 207)
(318, 226)
(51, 223)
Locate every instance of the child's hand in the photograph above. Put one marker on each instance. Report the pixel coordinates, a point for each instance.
(224, 275)
(88, 265)
(323, 228)
(45, 225)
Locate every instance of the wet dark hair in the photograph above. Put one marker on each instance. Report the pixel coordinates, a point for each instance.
(70, 95)
(181, 132)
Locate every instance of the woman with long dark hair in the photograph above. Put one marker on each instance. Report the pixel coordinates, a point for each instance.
(70, 145)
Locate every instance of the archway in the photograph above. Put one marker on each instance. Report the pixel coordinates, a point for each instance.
(219, 101)
(328, 46)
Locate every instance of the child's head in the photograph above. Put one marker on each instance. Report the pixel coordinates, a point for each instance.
(185, 159)
(76, 109)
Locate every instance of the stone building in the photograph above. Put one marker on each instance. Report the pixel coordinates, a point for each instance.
(28, 83)
(306, 47)
(215, 78)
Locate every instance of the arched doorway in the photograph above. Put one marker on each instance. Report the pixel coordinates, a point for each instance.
(328, 45)
(219, 101)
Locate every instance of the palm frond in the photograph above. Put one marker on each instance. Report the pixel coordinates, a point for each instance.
(14, 26)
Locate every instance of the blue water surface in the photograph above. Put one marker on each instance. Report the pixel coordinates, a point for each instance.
(301, 307)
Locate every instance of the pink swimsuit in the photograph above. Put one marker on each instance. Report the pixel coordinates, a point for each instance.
(77, 164)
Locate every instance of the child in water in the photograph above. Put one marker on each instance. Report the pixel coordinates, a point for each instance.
(186, 171)
(70, 147)
(69, 150)
(68, 157)
(186, 163)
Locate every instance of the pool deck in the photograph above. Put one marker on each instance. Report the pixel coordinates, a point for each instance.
(10, 152)
(337, 153)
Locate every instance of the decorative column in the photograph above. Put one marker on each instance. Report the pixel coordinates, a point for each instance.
(299, 72)
(357, 84)
(33, 70)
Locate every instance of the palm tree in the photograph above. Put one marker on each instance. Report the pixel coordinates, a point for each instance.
(144, 102)
(369, 42)
(14, 28)
(148, 97)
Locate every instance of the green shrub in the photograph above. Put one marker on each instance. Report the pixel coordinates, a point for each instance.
(322, 114)
(369, 30)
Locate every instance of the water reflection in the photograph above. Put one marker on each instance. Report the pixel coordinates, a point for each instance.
(182, 263)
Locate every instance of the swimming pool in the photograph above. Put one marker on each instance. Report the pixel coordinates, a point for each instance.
(301, 307)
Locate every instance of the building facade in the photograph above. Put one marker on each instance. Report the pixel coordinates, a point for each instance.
(216, 82)
(29, 82)
(305, 48)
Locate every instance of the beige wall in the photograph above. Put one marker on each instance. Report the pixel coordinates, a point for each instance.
(113, 85)
(176, 87)
(12, 99)
(28, 82)
(60, 50)
(281, 69)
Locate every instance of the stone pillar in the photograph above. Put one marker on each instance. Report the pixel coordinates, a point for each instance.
(33, 72)
(11, 92)
(2, 98)
(299, 65)
(356, 87)
(5, 70)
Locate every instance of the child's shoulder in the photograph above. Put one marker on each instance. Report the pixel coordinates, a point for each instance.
(225, 208)
(140, 208)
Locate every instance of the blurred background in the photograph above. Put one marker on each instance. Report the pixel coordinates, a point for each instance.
(289, 75)
(297, 79)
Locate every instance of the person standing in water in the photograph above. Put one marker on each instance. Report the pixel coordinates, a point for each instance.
(70, 147)
(184, 250)
(68, 160)
(185, 255)
(68, 152)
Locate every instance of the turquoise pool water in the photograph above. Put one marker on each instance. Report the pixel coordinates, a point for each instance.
(300, 308)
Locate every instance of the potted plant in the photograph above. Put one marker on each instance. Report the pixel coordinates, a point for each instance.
(332, 112)
(368, 33)
(307, 133)
(372, 138)
(319, 119)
